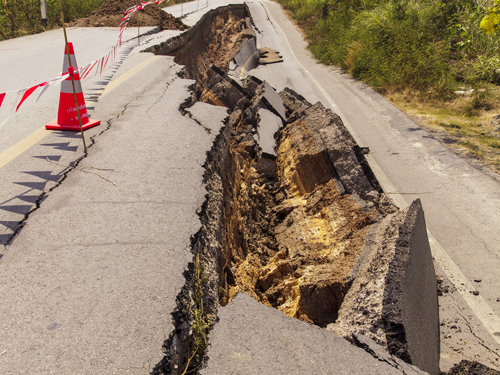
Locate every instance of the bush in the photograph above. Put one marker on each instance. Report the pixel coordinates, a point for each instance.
(487, 69)
(417, 44)
(22, 17)
(390, 45)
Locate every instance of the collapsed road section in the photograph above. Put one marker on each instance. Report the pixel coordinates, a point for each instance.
(294, 217)
(294, 245)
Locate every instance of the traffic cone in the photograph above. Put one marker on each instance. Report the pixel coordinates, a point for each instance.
(67, 116)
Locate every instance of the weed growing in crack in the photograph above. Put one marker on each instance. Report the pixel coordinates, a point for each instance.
(223, 296)
(201, 322)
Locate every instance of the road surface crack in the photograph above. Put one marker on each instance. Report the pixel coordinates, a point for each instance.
(480, 340)
(190, 116)
(188, 103)
(366, 344)
(167, 85)
(65, 172)
(268, 18)
(490, 253)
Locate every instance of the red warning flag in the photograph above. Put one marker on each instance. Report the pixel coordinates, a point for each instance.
(107, 58)
(2, 96)
(28, 92)
(92, 67)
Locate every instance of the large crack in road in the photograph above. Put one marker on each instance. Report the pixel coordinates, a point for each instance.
(294, 217)
(295, 247)
(299, 262)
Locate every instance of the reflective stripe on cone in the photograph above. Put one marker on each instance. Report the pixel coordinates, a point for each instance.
(67, 116)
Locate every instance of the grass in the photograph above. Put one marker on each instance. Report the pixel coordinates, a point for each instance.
(475, 134)
(201, 321)
(22, 17)
(419, 54)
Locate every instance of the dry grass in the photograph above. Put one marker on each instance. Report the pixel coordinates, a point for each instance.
(465, 124)
(468, 125)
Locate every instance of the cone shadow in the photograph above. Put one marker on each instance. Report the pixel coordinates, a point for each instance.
(62, 146)
(21, 209)
(45, 175)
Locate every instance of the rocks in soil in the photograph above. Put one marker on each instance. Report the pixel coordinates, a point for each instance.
(442, 287)
(310, 232)
(221, 90)
(466, 367)
(306, 229)
(318, 240)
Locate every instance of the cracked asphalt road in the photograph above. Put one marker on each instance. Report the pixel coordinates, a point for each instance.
(128, 243)
(47, 267)
(27, 177)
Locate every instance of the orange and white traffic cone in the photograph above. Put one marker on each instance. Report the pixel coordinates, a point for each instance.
(67, 116)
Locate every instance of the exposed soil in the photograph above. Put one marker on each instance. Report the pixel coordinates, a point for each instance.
(294, 229)
(111, 12)
(214, 40)
(292, 238)
(472, 368)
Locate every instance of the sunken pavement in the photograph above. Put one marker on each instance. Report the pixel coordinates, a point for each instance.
(246, 234)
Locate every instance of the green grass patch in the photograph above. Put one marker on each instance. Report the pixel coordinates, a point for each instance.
(200, 324)
(450, 126)
(479, 135)
(492, 142)
(424, 55)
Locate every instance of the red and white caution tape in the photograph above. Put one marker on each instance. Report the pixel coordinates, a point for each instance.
(25, 93)
(130, 11)
(84, 72)
(28, 92)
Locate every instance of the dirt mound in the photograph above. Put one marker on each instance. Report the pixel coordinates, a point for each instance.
(111, 12)
(466, 367)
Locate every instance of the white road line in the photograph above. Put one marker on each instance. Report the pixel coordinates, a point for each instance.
(483, 311)
(478, 305)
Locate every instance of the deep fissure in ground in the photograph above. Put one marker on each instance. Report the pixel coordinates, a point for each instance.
(302, 226)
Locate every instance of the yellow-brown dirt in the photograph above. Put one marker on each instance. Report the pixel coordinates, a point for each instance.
(292, 241)
(110, 14)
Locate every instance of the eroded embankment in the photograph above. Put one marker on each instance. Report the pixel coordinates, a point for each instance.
(293, 234)
(295, 217)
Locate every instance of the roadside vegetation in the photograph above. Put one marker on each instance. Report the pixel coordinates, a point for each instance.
(438, 61)
(23, 17)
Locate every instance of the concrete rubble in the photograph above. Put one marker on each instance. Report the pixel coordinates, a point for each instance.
(270, 342)
(269, 56)
(295, 218)
(295, 260)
